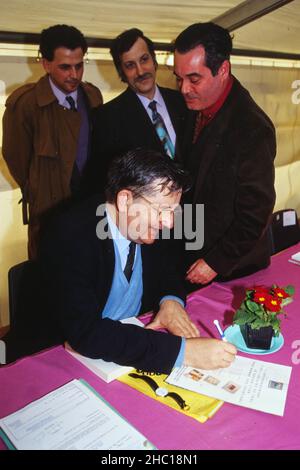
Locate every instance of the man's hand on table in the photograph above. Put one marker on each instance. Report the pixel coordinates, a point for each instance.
(200, 273)
(208, 353)
(173, 317)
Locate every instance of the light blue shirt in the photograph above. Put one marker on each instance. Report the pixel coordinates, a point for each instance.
(61, 96)
(120, 241)
(121, 244)
(161, 109)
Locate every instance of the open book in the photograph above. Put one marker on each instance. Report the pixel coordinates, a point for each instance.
(107, 371)
(72, 417)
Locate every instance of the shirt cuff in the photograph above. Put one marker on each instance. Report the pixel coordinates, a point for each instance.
(173, 297)
(180, 357)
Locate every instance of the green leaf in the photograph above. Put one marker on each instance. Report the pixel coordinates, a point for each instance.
(276, 325)
(242, 307)
(290, 290)
(286, 301)
(243, 316)
(260, 313)
(252, 306)
(259, 323)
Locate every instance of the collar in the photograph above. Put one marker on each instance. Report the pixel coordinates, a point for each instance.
(157, 97)
(210, 112)
(121, 242)
(45, 95)
(61, 96)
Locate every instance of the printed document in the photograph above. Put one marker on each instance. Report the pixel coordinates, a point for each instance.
(246, 382)
(72, 417)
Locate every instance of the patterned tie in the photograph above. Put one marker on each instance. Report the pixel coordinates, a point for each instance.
(71, 102)
(130, 261)
(201, 121)
(161, 130)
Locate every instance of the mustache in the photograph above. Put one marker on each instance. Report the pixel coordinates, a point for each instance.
(143, 77)
(190, 96)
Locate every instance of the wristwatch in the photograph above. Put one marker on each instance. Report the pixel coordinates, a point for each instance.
(161, 391)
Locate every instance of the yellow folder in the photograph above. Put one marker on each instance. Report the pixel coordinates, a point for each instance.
(198, 406)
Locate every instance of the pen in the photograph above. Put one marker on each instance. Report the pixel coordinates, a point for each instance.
(216, 322)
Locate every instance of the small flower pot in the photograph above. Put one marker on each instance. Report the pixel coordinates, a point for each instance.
(257, 338)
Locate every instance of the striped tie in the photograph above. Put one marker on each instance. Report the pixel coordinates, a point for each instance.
(161, 130)
(71, 102)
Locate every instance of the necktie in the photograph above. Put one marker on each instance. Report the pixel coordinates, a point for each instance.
(201, 121)
(71, 102)
(161, 130)
(130, 261)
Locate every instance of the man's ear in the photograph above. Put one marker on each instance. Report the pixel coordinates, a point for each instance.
(224, 70)
(124, 197)
(47, 65)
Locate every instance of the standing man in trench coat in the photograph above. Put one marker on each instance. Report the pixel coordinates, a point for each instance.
(47, 127)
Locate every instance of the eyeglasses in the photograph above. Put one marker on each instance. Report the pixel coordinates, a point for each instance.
(160, 210)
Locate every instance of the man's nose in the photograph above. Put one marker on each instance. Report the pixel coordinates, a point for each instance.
(139, 69)
(185, 87)
(167, 220)
(73, 72)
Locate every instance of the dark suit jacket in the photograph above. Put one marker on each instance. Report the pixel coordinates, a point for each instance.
(78, 270)
(123, 124)
(233, 167)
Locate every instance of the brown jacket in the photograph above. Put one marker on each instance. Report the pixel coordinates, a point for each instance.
(39, 147)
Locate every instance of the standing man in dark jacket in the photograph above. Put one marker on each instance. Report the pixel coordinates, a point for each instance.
(131, 120)
(47, 126)
(230, 151)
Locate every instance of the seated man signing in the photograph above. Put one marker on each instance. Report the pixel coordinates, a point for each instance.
(101, 265)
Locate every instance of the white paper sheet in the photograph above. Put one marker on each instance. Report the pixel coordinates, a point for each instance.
(296, 256)
(71, 417)
(246, 382)
(289, 218)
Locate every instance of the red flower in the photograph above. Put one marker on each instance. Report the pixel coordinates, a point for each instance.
(273, 304)
(260, 296)
(280, 293)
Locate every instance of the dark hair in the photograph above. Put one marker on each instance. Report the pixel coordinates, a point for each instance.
(124, 42)
(216, 41)
(60, 35)
(138, 169)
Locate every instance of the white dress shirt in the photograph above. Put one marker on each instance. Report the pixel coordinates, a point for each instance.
(161, 109)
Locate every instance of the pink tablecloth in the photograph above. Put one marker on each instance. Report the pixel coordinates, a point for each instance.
(232, 427)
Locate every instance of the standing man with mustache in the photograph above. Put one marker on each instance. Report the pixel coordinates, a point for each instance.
(137, 117)
(47, 127)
